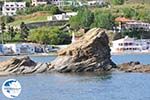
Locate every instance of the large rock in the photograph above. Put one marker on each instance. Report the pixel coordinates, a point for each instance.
(23, 65)
(90, 53)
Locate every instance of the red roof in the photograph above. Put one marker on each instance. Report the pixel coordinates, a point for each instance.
(122, 19)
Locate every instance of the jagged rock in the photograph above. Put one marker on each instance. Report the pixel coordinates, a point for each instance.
(43, 68)
(22, 65)
(90, 53)
(134, 67)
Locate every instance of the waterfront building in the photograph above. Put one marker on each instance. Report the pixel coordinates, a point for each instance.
(20, 48)
(10, 8)
(63, 16)
(129, 45)
(24, 48)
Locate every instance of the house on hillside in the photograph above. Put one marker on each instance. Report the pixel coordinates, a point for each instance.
(10, 8)
(137, 25)
(125, 23)
(63, 16)
(39, 2)
(58, 3)
(95, 2)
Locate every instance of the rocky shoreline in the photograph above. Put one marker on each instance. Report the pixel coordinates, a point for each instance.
(24, 65)
(91, 53)
(134, 67)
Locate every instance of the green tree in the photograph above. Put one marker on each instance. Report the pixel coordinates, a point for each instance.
(24, 31)
(129, 12)
(46, 35)
(54, 10)
(118, 2)
(144, 16)
(103, 20)
(11, 32)
(7, 19)
(83, 19)
(3, 27)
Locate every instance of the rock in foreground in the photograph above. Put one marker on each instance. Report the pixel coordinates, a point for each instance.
(22, 65)
(91, 53)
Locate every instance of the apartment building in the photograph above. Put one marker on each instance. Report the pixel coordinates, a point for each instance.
(10, 8)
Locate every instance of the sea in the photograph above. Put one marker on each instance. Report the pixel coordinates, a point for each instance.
(87, 86)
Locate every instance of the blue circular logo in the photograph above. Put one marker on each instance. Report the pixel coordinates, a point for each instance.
(11, 88)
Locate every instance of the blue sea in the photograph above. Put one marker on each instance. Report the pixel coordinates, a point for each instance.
(108, 86)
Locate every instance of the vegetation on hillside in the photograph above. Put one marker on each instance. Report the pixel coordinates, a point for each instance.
(46, 35)
(52, 9)
(117, 2)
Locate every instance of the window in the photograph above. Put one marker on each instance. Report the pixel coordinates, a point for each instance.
(130, 43)
(7, 9)
(120, 44)
(125, 44)
(12, 13)
(12, 9)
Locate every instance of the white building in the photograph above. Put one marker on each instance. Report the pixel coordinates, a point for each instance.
(95, 2)
(130, 45)
(43, 2)
(63, 16)
(22, 48)
(10, 8)
(39, 2)
(137, 25)
(57, 2)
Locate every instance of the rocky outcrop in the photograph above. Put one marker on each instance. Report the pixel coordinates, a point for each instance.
(91, 53)
(22, 65)
(134, 67)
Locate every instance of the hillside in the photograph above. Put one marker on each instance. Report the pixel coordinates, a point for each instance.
(138, 1)
(134, 1)
(35, 17)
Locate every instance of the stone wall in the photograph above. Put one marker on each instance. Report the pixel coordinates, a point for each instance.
(46, 23)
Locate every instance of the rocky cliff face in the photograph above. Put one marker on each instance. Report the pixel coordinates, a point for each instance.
(90, 53)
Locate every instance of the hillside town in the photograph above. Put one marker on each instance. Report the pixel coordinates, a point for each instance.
(10, 8)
